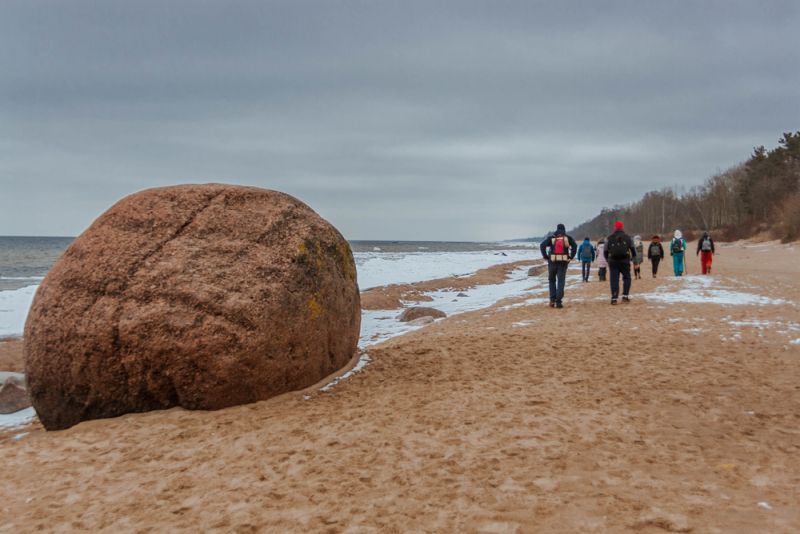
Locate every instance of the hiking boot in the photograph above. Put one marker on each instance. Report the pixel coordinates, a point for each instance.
(625, 298)
(559, 305)
(552, 304)
(613, 301)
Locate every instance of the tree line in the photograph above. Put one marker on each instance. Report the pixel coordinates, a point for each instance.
(761, 195)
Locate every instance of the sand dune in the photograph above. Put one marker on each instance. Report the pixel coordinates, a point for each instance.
(649, 417)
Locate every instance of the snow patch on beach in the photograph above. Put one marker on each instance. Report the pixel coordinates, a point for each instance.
(14, 306)
(700, 290)
(22, 417)
(753, 323)
(359, 366)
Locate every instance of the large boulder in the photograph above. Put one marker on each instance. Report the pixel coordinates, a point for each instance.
(201, 296)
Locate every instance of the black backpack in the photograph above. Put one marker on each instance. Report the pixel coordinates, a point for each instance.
(655, 251)
(677, 246)
(618, 247)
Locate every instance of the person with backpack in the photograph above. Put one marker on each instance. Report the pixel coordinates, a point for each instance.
(676, 249)
(706, 250)
(586, 254)
(602, 264)
(619, 251)
(655, 251)
(638, 259)
(558, 249)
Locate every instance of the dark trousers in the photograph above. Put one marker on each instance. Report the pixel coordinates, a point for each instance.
(615, 268)
(557, 274)
(601, 274)
(655, 261)
(585, 266)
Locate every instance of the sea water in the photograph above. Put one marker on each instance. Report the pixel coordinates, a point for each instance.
(381, 263)
(24, 261)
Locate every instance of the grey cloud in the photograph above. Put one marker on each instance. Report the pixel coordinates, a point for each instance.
(416, 120)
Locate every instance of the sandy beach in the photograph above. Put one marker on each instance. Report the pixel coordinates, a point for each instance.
(678, 412)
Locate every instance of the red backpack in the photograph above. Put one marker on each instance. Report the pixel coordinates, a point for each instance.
(560, 245)
(559, 250)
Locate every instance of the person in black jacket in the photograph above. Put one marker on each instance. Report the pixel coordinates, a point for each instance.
(706, 251)
(558, 249)
(655, 252)
(619, 251)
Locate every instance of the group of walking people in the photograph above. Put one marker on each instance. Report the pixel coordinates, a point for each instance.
(615, 255)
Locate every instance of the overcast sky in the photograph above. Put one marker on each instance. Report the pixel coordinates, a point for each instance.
(394, 120)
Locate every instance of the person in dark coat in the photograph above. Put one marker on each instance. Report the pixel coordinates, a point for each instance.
(655, 253)
(706, 251)
(619, 251)
(558, 249)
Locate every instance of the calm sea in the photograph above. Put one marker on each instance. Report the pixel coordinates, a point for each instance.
(25, 260)
(434, 246)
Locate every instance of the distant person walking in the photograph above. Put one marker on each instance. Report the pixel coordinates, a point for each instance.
(558, 249)
(638, 259)
(586, 254)
(677, 247)
(706, 250)
(619, 251)
(655, 251)
(602, 264)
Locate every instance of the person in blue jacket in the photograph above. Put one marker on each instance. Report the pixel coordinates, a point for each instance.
(587, 254)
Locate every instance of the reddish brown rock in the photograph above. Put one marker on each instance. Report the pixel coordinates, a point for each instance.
(201, 296)
(13, 397)
(411, 314)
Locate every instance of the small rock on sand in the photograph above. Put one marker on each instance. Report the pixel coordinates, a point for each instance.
(422, 321)
(416, 312)
(13, 397)
(536, 270)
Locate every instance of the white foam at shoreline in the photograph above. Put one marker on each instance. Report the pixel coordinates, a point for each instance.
(14, 306)
(22, 417)
(380, 325)
(377, 269)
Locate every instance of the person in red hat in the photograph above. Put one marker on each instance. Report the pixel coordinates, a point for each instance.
(618, 251)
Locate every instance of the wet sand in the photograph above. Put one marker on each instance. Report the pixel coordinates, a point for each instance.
(11, 355)
(644, 417)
